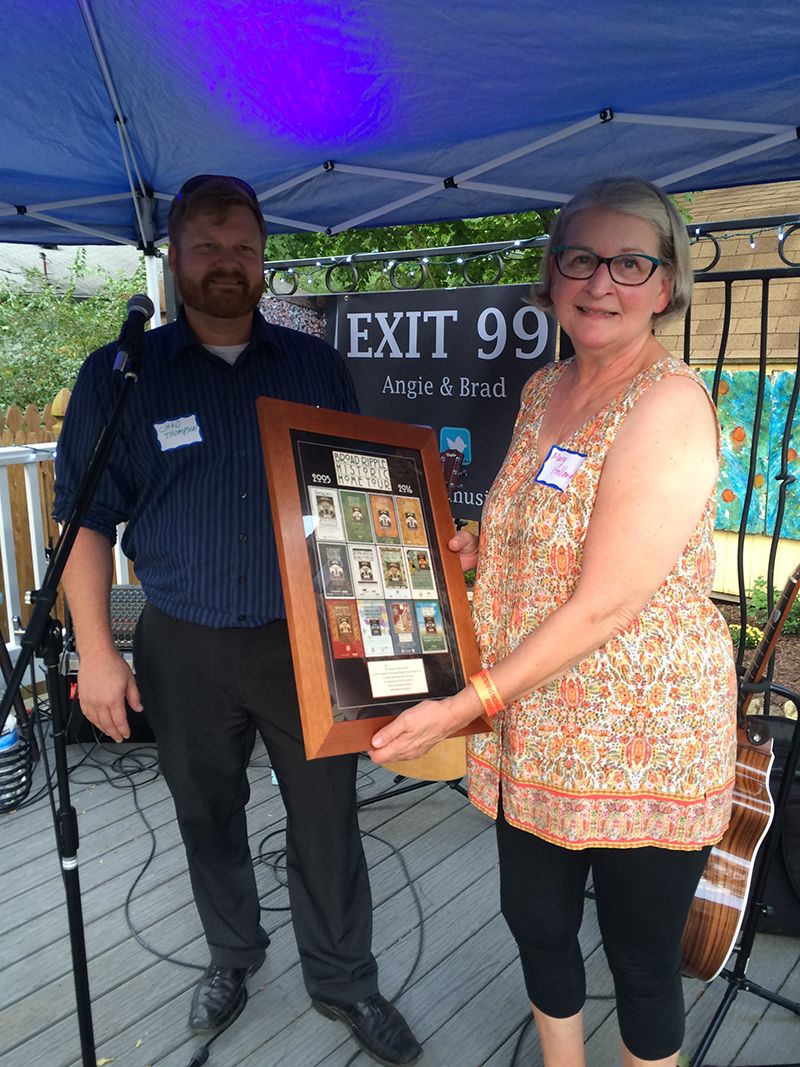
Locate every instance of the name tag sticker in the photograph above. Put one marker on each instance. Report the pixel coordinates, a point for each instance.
(560, 467)
(177, 433)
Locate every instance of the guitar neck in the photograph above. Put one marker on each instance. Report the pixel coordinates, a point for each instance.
(766, 645)
(451, 468)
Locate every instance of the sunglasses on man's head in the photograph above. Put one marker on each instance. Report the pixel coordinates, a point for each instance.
(199, 180)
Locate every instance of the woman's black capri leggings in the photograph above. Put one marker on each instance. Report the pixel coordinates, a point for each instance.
(643, 897)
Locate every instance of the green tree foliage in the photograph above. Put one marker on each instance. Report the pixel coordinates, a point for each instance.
(519, 265)
(46, 334)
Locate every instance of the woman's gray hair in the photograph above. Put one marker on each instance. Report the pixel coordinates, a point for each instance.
(643, 200)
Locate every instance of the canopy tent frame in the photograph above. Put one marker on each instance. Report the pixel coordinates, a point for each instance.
(779, 135)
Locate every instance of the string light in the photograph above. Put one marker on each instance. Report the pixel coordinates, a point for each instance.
(516, 250)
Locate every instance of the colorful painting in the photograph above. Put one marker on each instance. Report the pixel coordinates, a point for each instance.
(736, 405)
(782, 386)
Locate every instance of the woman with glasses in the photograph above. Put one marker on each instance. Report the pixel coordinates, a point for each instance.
(608, 673)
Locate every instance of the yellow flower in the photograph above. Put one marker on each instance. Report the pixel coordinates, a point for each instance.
(752, 638)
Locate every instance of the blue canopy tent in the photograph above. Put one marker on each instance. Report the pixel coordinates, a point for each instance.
(347, 113)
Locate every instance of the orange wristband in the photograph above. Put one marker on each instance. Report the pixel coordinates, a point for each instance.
(487, 692)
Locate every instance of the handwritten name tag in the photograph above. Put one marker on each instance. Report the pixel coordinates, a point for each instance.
(177, 433)
(560, 467)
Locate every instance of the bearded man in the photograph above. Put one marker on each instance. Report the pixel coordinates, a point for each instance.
(211, 652)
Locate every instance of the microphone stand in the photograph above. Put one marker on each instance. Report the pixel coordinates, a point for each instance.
(43, 638)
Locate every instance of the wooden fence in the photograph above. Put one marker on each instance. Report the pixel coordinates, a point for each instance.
(26, 503)
(31, 426)
(27, 531)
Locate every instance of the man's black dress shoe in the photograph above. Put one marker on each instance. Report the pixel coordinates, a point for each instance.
(219, 994)
(378, 1027)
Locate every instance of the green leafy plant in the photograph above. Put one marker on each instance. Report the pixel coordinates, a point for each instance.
(758, 609)
(45, 334)
(518, 266)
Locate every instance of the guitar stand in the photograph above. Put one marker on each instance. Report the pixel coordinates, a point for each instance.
(736, 976)
(454, 783)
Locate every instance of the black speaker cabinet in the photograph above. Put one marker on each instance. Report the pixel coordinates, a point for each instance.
(80, 730)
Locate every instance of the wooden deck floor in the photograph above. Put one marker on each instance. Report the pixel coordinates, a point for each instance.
(438, 936)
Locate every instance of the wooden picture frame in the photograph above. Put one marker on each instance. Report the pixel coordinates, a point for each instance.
(359, 507)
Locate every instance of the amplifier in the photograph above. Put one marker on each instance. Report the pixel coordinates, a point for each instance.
(79, 729)
(127, 602)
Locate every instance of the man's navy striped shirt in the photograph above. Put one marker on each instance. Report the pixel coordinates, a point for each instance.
(187, 471)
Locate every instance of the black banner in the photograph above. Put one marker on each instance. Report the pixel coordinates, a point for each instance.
(453, 359)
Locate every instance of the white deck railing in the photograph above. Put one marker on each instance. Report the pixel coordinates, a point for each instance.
(29, 458)
(13, 517)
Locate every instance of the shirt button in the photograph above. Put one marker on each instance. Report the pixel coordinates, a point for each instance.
(242, 452)
(242, 537)
(242, 618)
(243, 494)
(237, 411)
(242, 578)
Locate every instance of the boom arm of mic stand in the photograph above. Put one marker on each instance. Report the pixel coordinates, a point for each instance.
(43, 636)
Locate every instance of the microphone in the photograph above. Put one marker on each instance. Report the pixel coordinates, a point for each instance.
(140, 310)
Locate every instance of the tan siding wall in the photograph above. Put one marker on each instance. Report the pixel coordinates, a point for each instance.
(752, 201)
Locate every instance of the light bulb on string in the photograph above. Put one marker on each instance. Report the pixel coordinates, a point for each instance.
(752, 241)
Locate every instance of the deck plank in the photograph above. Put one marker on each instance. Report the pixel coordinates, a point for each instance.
(428, 850)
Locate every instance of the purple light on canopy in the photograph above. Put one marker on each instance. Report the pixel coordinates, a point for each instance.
(308, 71)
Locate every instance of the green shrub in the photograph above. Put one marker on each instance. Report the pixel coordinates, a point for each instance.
(757, 601)
(45, 335)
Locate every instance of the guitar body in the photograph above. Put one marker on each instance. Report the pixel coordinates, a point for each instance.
(719, 904)
(445, 762)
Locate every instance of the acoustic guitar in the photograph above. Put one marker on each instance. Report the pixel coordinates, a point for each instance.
(720, 901)
(447, 760)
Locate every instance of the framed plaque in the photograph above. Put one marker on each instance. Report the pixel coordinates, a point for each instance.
(376, 604)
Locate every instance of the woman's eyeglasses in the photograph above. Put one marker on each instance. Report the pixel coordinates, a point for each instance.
(625, 269)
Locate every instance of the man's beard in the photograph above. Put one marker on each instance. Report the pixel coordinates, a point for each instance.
(205, 297)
